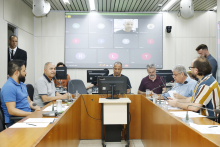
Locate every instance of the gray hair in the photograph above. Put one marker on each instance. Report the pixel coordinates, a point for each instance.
(152, 65)
(118, 63)
(128, 20)
(180, 69)
(45, 66)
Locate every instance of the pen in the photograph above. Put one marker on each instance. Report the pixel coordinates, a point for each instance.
(212, 126)
(31, 124)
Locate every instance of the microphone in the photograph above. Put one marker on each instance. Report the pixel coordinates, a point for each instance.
(34, 104)
(189, 120)
(50, 113)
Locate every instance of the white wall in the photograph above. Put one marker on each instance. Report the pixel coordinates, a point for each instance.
(17, 13)
(178, 46)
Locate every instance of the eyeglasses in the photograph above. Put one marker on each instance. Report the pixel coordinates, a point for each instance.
(191, 67)
(175, 75)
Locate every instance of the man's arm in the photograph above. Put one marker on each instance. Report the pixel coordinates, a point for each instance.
(175, 103)
(128, 91)
(12, 110)
(164, 90)
(141, 92)
(58, 96)
(31, 104)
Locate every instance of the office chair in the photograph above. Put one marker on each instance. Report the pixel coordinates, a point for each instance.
(76, 84)
(30, 90)
(2, 118)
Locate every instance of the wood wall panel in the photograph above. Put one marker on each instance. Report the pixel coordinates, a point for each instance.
(91, 128)
(66, 132)
(160, 128)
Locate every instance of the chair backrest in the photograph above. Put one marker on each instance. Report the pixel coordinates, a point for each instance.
(2, 117)
(30, 90)
(76, 84)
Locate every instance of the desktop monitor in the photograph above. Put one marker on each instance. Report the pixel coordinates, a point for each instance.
(61, 73)
(112, 85)
(93, 74)
(166, 74)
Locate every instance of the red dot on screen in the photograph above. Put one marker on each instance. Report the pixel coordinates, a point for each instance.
(150, 41)
(146, 56)
(113, 56)
(75, 40)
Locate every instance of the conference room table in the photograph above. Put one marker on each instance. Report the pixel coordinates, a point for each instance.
(82, 120)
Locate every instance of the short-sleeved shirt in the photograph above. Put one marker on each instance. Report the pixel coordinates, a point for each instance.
(207, 93)
(183, 89)
(158, 84)
(128, 81)
(124, 32)
(43, 86)
(14, 92)
(213, 63)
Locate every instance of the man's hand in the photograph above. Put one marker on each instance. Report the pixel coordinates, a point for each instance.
(172, 101)
(178, 96)
(37, 108)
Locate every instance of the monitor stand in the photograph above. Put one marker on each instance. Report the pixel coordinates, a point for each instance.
(112, 96)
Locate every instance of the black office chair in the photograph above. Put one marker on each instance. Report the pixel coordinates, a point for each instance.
(76, 84)
(2, 118)
(30, 90)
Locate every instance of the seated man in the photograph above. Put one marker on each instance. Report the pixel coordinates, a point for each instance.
(117, 73)
(206, 92)
(44, 89)
(14, 97)
(152, 82)
(184, 84)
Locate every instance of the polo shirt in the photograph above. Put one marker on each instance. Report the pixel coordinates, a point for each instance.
(158, 84)
(207, 93)
(213, 63)
(14, 92)
(128, 81)
(183, 89)
(43, 86)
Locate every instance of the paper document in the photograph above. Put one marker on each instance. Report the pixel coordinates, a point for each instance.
(49, 108)
(206, 129)
(191, 114)
(171, 93)
(40, 120)
(29, 125)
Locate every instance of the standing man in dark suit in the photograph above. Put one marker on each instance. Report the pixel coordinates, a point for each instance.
(14, 52)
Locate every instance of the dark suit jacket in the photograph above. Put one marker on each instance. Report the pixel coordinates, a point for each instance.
(19, 54)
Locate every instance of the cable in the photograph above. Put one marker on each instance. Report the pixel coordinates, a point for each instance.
(130, 118)
(87, 111)
(179, 14)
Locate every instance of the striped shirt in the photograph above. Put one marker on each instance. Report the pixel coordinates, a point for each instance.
(207, 93)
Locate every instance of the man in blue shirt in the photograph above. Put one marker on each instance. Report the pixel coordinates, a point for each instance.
(184, 85)
(14, 97)
(202, 50)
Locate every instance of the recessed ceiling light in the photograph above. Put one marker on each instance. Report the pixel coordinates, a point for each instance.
(169, 4)
(92, 5)
(66, 1)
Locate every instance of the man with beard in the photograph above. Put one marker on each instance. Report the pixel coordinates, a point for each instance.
(202, 50)
(206, 92)
(184, 84)
(44, 89)
(14, 97)
(152, 82)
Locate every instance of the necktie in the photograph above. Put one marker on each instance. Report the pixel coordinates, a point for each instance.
(12, 55)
